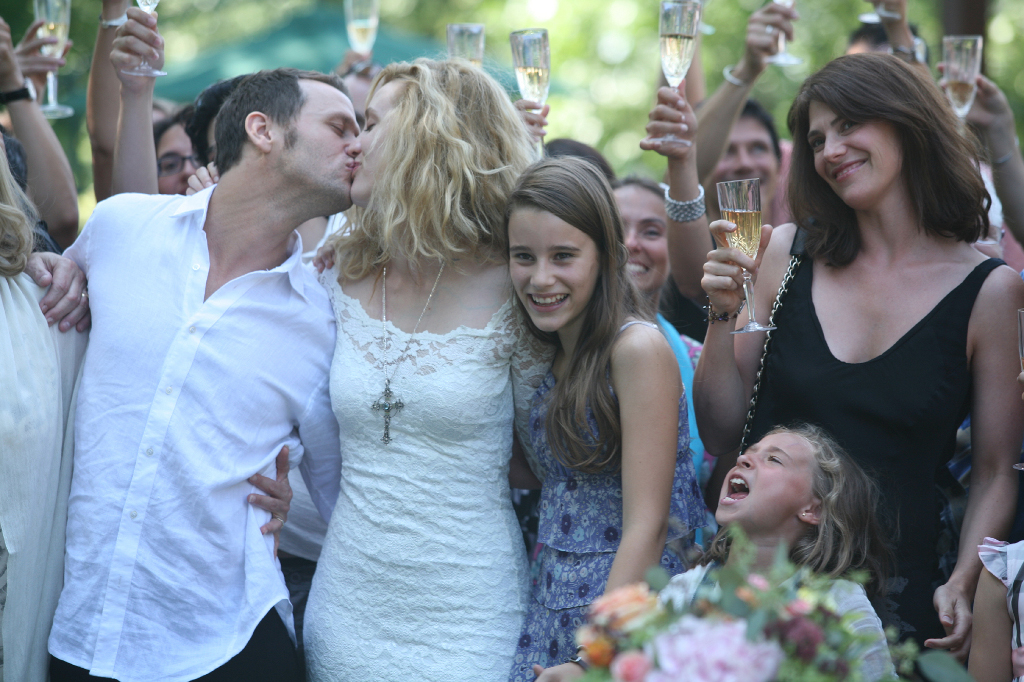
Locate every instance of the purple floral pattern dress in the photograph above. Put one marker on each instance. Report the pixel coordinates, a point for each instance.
(580, 528)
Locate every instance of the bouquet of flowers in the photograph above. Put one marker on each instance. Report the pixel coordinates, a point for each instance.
(739, 627)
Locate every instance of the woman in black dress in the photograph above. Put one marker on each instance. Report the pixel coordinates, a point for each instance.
(891, 328)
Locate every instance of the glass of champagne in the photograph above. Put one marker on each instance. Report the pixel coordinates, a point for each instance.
(962, 58)
(466, 41)
(783, 58)
(56, 15)
(879, 14)
(678, 25)
(740, 204)
(361, 19)
(531, 56)
(144, 68)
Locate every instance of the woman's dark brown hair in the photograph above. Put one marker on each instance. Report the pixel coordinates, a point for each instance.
(939, 163)
(577, 192)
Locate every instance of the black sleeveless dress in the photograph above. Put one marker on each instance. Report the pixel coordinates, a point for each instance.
(896, 414)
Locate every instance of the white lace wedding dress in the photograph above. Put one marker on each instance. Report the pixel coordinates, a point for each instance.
(423, 575)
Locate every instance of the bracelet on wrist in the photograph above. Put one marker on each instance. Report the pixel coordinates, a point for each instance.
(727, 74)
(685, 211)
(114, 23)
(1009, 155)
(579, 661)
(713, 316)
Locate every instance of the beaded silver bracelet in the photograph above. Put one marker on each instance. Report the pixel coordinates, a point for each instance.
(685, 211)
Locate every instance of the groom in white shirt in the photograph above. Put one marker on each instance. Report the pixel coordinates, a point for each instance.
(210, 351)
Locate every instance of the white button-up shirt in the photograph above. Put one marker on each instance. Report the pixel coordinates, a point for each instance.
(181, 401)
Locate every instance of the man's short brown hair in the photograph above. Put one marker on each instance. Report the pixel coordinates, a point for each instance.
(275, 93)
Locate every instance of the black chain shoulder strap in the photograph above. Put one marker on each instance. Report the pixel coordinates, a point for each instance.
(794, 263)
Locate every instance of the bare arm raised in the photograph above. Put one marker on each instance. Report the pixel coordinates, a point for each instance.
(134, 168)
(687, 241)
(719, 113)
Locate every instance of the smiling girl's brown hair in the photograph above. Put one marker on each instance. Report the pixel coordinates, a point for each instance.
(576, 192)
(939, 163)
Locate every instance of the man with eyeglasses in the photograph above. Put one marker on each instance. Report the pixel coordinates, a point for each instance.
(175, 159)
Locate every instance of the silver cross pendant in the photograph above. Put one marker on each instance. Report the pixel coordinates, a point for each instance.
(390, 406)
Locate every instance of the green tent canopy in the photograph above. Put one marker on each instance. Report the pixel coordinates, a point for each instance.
(315, 40)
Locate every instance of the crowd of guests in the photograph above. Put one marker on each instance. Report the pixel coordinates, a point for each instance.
(341, 381)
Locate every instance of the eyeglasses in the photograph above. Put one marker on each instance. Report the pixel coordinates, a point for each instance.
(172, 163)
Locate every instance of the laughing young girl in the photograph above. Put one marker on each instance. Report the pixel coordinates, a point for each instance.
(608, 424)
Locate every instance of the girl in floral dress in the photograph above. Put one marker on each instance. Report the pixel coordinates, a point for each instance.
(608, 424)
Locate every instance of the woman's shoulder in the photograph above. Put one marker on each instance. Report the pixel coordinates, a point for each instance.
(1002, 559)
(639, 342)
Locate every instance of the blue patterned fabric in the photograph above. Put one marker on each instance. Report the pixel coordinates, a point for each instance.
(580, 530)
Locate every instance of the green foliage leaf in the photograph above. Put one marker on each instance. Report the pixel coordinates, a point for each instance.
(939, 666)
(657, 577)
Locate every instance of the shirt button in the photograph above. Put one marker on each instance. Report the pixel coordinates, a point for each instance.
(134, 514)
(149, 452)
(195, 266)
(191, 330)
(168, 390)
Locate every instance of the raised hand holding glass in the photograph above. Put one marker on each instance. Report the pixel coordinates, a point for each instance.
(56, 17)
(678, 24)
(740, 203)
(782, 57)
(144, 68)
(961, 56)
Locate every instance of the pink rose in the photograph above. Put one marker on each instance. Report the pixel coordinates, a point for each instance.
(798, 607)
(759, 581)
(631, 666)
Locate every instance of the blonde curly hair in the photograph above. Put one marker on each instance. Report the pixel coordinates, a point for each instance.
(16, 222)
(455, 150)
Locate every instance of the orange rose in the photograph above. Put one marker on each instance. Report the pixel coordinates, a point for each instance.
(624, 609)
(600, 652)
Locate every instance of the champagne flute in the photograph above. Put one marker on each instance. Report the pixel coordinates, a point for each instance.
(466, 41)
(962, 58)
(361, 19)
(740, 204)
(531, 56)
(144, 69)
(678, 25)
(56, 15)
(783, 58)
(879, 14)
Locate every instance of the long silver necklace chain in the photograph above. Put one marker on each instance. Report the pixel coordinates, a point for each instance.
(387, 402)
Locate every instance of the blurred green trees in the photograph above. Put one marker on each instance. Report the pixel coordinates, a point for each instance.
(604, 54)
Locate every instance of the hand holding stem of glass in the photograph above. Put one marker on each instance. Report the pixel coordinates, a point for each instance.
(144, 68)
(782, 57)
(962, 58)
(466, 41)
(56, 15)
(361, 20)
(678, 23)
(740, 204)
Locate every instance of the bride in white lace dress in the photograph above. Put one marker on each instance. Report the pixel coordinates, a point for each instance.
(423, 574)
